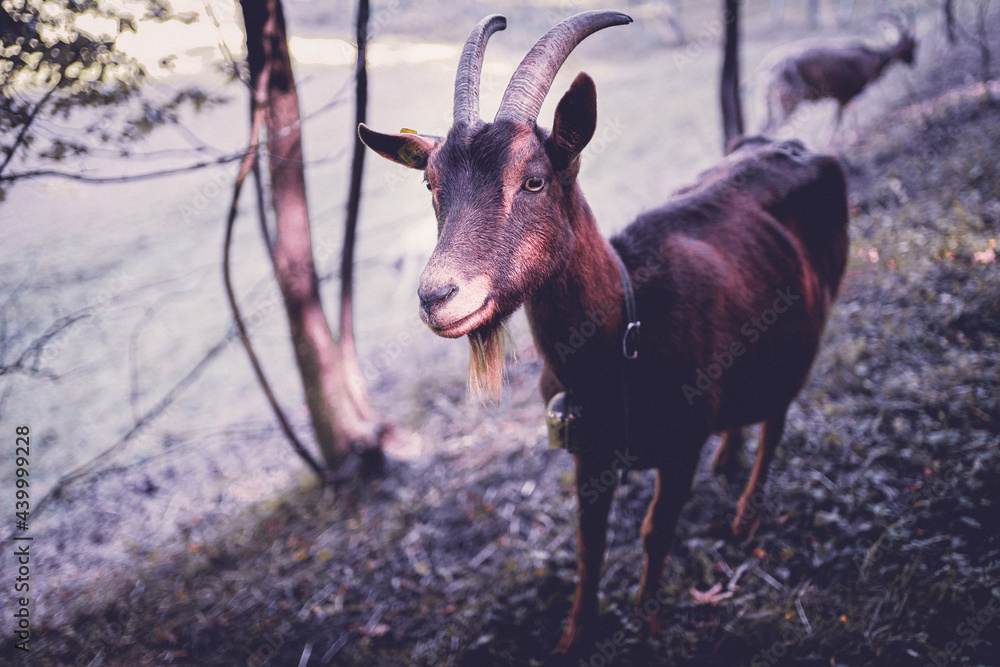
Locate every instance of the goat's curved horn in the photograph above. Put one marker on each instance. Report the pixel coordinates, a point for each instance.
(470, 68)
(531, 81)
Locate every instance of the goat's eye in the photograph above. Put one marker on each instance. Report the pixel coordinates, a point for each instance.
(534, 184)
(428, 184)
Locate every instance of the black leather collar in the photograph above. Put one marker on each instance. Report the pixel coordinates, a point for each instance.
(630, 347)
(630, 339)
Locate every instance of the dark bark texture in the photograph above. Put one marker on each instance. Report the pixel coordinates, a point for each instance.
(340, 424)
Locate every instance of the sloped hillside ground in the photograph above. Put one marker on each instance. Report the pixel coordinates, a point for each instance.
(880, 543)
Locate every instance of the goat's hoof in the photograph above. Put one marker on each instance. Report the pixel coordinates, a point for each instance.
(745, 527)
(568, 642)
(647, 616)
(572, 639)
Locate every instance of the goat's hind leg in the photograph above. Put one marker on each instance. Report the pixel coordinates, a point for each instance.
(751, 503)
(726, 461)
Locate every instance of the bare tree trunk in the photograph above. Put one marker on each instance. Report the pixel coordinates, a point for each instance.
(983, 37)
(359, 392)
(949, 21)
(675, 20)
(339, 426)
(732, 111)
(813, 9)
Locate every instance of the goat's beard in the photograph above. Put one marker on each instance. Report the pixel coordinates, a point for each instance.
(487, 357)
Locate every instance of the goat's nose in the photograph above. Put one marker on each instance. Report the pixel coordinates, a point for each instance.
(430, 298)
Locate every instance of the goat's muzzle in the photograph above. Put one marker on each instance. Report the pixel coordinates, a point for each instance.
(431, 298)
(453, 307)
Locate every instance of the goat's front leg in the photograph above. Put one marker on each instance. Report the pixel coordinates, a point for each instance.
(657, 534)
(595, 485)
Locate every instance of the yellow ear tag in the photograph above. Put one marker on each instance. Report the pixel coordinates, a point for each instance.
(406, 130)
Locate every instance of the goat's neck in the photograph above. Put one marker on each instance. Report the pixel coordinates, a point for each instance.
(886, 56)
(587, 290)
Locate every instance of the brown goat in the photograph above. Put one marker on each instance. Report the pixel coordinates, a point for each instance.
(733, 279)
(829, 72)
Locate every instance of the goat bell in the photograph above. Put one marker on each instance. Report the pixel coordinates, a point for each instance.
(564, 420)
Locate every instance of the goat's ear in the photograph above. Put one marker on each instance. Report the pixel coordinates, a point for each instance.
(575, 122)
(406, 148)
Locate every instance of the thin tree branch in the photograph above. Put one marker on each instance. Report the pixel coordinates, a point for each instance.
(258, 182)
(732, 109)
(133, 364)
(24, 130)
(226, 159)
(250, 158)
(29, 362)
(354, 192)
(133, 355)
(979, 38)
(949, 21)
(120, 179)
(151, 415)
(154, 413)
(358, 391)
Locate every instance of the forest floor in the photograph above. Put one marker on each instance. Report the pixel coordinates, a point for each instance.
(880, 543)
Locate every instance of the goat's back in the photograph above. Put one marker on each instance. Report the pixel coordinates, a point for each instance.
(711, 268)
(806, 192)
(838, 73)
